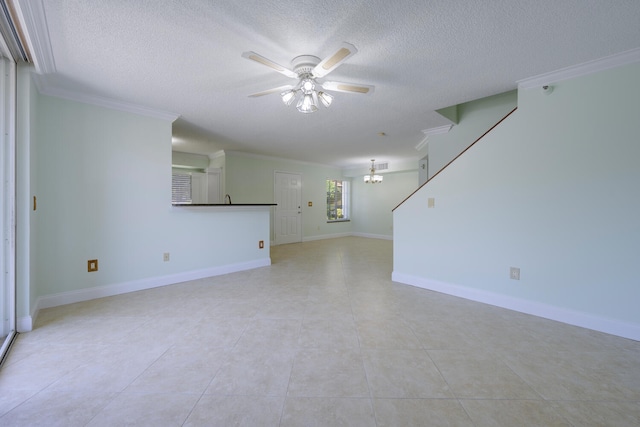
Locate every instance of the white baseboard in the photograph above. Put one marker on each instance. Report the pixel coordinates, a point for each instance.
(325, 236)
(334, 236)
(373, 236)
(25, 324)
(560, 314)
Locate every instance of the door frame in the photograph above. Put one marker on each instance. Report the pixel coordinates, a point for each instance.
(275, 200)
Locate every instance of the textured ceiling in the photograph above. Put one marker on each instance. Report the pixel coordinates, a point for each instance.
(421, 55)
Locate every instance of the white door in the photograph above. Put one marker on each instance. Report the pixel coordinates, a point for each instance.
(288, 189)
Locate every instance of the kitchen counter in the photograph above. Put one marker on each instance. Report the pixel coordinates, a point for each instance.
(224, 204)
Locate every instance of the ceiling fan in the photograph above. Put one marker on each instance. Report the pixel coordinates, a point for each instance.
(307, 69)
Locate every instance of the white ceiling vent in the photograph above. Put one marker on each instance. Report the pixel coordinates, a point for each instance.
(381, 166)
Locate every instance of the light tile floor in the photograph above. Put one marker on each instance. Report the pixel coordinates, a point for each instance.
(322, 337)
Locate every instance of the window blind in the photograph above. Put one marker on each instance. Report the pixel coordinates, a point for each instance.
(180, 188)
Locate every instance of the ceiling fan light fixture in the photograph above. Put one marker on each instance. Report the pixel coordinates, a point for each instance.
(325, 98)
(307, 69)
(288, 97)
(307, 104)
(307, 86)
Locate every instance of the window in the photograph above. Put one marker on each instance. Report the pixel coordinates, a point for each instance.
(337, 200)
(181, 188)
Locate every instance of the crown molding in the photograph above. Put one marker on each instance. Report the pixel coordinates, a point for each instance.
(623, 58)
(432, 131)
(216, 155)
(113, 104)
(36, 31)
(438, 130)
(266, 157)
(33, 20)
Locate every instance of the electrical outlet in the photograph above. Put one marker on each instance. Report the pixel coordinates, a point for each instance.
(92, 265)
(166, 257)
(261, 244)
(514, 273)
(431, 202)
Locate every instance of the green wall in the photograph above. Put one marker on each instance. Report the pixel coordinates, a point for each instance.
(189, 160)
(250, 178)
(373, 203)
(552, 191)
(102, 178)
(26, 188)
(474, 119)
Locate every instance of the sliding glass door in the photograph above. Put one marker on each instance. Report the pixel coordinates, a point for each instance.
(8, 193)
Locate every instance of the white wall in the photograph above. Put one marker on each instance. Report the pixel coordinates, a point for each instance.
(553, 191)
(103, 181)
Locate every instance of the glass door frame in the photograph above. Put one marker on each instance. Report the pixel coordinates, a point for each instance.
(8, 84)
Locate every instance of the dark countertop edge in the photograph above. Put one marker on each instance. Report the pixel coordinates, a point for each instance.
(222, 204)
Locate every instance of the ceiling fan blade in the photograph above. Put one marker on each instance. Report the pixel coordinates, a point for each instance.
(348, 87)
(270, 91)
(269, 63)
(332, 62)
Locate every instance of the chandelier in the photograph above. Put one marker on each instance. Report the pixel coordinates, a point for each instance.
(372, 178)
